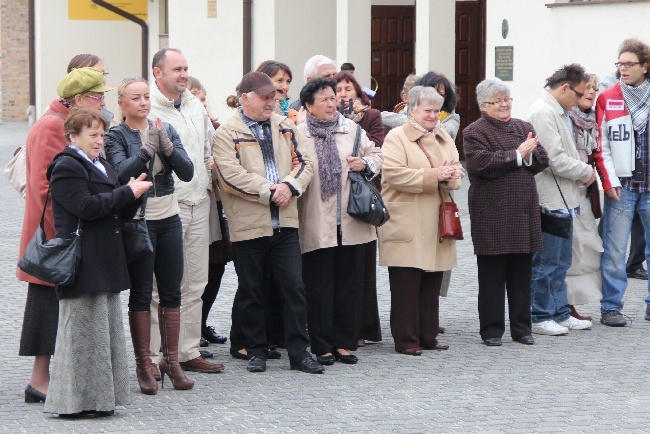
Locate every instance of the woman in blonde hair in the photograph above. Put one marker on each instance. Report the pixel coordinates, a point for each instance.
(135, 146)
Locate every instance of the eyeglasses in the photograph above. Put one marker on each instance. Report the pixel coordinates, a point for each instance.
(580, 95)
(499, 101)
(99, 98)
(627, 65)
(105, 73)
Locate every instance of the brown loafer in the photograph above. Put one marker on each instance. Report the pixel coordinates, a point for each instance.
(492, 342)
(412, 351)
(574, 313)
(438, 346)
(526, 340)
(154, 371)
(199, 364)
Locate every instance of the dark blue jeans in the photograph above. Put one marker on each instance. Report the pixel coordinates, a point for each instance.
(283, 253)
(166, 262)
(548, 286)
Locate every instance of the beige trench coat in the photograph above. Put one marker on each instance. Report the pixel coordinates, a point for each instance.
(317, 228)
(410, 192)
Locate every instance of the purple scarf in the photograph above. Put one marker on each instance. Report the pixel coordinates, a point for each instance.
(329, 163)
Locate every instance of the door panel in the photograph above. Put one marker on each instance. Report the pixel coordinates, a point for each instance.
(470, 62)
(393, 52)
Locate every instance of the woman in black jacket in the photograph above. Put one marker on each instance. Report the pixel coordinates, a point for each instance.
(89, 374)
(137, 146)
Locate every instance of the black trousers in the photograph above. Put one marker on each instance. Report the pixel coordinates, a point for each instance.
(215, 274)
(370, 324)
(498, 274)
(414, 307)
(334, 282)
(166, 262)
(282, 250)
(637, 245)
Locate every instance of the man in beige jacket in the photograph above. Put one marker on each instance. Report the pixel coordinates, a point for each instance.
(262, 170)
(549, 115)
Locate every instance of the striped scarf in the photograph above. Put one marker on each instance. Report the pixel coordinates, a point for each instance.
(637, 100)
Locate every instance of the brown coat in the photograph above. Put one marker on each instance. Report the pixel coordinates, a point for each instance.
(410, 192)
(503, 202)
(317, 228)
(44, 141)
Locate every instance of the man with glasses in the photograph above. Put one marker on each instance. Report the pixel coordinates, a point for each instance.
(550, 117)
(623, 161)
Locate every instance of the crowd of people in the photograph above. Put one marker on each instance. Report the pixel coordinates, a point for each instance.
(269, 189)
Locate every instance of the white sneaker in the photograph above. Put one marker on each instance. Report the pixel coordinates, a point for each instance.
(575, 324)
(550, 328)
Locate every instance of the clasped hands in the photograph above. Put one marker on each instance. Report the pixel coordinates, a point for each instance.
(449, 171)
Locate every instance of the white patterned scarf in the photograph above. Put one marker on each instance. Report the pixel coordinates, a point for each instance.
(637, 100)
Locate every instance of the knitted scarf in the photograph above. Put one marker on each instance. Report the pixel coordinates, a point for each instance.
(284, 106)
(418, 126)
(329, 163)
(360, 110)
(637, 100)
(586, 131)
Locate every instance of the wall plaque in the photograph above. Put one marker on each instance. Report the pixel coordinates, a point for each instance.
(503, 59)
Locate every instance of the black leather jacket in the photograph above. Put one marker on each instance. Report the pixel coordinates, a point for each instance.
(123, 151)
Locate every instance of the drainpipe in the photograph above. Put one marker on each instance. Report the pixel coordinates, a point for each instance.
(140, 22)
(31, 110)
(247, 37)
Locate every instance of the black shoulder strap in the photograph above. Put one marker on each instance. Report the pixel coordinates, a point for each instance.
(49, 189)
(357, 141)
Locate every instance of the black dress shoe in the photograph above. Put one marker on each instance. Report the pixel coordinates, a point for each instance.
(326, 360)
(526, 340)
(256, 364)
(212, 336)
(348, 359)
(492, 342)
(33, 395)
(206, 354)
(86, 414)
(638, 273)
(272, 353)
(309, 365)
(237, 355)
(203, 343)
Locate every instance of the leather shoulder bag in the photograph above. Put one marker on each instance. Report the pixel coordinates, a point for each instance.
(556, 223)
(135, 234)
(365, 201)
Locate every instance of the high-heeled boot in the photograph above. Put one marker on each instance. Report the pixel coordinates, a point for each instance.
(140, 335)
(169, 319)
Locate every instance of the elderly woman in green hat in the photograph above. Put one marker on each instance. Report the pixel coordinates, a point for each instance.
(82, 87)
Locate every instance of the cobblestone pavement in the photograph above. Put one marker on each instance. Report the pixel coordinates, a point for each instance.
(588, 381)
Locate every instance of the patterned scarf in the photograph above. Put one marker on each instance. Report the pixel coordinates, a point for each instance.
(637, 100)
(284, 106)
(418, 126)
(329, 163)
(360, 110)
(585, 132)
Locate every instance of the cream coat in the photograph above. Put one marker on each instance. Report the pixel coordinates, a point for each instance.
(410, 192)
(317, 228)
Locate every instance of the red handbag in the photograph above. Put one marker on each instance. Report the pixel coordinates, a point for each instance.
(449, 220)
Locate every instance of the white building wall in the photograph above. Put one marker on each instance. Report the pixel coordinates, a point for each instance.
(545, 38)
(435, 39)
(212, 47)
(354, 23)
(57, 40)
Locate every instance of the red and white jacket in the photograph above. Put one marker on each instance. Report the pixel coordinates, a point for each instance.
(616, 148)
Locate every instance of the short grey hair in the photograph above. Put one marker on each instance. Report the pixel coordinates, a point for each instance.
(490, 87)
(315, 62)
(422, 95)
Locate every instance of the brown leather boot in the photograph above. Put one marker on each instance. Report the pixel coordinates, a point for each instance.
(574, 313)
(169, 319)
(140, 335)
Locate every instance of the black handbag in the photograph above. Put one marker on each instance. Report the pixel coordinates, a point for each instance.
(556, 223)
(135, 234)
(365, 202)
(55, 261)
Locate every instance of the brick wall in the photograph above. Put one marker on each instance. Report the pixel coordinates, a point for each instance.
(14, 60)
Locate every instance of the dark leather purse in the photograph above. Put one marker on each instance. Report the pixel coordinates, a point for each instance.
(55, 261)
(556, 223)
(448, 219)
(593, 193)
(135, 234)
(365, 202)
